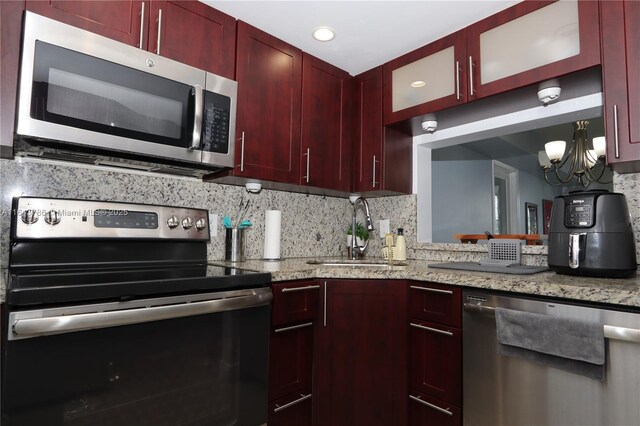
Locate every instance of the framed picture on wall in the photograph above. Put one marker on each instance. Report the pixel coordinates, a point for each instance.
(531, 217)
(546, 215)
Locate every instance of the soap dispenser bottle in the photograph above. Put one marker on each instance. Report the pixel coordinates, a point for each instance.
(400, 251)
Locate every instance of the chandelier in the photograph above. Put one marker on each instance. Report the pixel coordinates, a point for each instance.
(584, 162)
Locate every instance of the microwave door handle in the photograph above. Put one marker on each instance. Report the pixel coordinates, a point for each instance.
(197, 117)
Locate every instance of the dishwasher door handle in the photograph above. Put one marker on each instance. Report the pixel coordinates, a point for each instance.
(56, 324)
(610, 331)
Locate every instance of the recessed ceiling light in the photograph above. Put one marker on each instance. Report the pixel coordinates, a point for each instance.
(418, 83)
(324, 34)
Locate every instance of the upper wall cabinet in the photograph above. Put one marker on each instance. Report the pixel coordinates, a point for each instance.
(187, 31)
(525, 44)
(530, 42)
(269, 75)
(620, 23)
(326, 119)
(428, 79)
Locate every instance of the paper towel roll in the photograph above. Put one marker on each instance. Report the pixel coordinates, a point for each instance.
(272, 222)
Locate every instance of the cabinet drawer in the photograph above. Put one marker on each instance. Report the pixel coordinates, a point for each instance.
(295, 302)
(424, 410)
(290, 360)
(436, 303)
(292, 410)
(435, 361)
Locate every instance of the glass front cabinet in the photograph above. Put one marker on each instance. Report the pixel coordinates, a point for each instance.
(524, 44)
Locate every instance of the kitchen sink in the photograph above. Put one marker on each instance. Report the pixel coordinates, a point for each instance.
(366, 263)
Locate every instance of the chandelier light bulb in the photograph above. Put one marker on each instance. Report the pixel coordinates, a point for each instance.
(555, 150)
(600, 146)
(591, 158)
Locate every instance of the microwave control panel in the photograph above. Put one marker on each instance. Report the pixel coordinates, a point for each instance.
(215, 128)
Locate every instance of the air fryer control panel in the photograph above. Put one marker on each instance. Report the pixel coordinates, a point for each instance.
(579, 211)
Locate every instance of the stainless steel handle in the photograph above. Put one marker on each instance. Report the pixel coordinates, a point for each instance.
(610, 331)
(471, 89)
(435, 330)
(32, 327)
(374, 171)
(141, 25)
(574, 250)
(293, 327)
(324, 306)
(159, 31)
(458, 80)
(616, 142)
(308, 154)
(242, 153)
(197, 117)
(432, 290)
(289, 404)
(435, 407)
(309, 287)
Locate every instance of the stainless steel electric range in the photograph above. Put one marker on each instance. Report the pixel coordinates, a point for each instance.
(114, 317)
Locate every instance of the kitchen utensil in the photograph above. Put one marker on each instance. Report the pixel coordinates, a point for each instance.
(226, 222)
(244, 212)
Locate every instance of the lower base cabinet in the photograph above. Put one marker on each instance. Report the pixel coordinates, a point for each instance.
(427, 411)
(361, 376)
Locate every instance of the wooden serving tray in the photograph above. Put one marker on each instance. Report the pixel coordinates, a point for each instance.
(531, 239)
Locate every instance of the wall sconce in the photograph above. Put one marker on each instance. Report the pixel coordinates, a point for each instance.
(429, 123)
(549, 91)
(585, 163)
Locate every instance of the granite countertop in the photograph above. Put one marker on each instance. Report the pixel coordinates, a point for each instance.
(624, 292)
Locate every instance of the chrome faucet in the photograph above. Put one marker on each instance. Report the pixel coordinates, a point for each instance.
(355, 248)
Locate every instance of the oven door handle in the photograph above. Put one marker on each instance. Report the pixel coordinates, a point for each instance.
(34, 327)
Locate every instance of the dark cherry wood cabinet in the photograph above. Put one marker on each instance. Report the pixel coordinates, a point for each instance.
(620, 29)
(360, 376)
(187, 31)
(126, 21)
(269, 75)
(291, 346)
(193, 33)
(435, 354)
(382, 157)
(325, 159)
(527, 22)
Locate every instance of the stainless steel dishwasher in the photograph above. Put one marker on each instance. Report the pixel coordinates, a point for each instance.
(500, 390)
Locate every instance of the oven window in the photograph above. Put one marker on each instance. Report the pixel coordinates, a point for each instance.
(201, 370)
(81, 91)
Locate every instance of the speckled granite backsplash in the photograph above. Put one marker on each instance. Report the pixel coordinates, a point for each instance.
(312, 226)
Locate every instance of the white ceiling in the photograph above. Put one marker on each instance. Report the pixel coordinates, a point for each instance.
(368, 33)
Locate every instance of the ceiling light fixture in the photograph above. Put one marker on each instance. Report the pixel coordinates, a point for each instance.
(324, 34)
(418, 83)
(585, 163)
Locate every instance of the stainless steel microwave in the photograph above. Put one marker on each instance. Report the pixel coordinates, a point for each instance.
(100, 99)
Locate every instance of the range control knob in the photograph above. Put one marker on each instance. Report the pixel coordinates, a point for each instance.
(52, 217)
(29, 217)
(187, 223)
(201, 224)
(172, 222)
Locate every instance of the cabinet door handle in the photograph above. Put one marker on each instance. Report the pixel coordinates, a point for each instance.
(289, 404)
(432, 290)
(324, 306)
(242, 152)
(458, 96)
(435, 330)
(435, 407)
(471, 90)
(616, 142)
(293, 327)
(308, 154)
(374, 171)
(159, 30)
(141, 25)
(309, 287)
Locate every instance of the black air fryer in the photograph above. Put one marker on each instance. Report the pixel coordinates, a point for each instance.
(590, 234)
